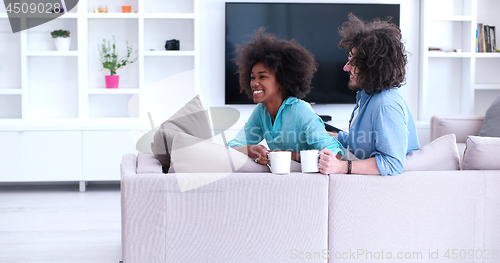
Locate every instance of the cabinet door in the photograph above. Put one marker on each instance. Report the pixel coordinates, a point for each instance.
(102, 153)
(51, 156)
(40, 156)
(11, 162)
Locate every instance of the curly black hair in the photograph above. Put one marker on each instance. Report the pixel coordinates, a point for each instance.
(292, 64)
(380, 58)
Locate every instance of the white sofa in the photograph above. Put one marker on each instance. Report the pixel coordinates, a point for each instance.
(416, 216)
(460, 125)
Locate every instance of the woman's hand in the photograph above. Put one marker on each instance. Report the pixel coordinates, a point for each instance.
(258, 153)
(296, 156)
(330, 164)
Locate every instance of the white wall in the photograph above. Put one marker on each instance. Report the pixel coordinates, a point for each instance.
(212, 21)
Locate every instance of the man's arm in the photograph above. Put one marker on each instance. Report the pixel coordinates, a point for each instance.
(391, 140)
(330, 164)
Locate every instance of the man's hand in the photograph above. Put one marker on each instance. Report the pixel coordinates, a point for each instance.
(329, 164)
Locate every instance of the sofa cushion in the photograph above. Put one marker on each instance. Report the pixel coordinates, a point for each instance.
(190, 119)
(481, 153)
(439, 155)
(491, 123)
(194, 155)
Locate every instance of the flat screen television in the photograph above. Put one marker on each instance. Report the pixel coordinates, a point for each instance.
(312, 25)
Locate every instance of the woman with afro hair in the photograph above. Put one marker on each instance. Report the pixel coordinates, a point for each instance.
(277, 75)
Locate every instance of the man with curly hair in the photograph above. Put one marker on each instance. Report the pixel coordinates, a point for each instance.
(381, 128)
(277, 74)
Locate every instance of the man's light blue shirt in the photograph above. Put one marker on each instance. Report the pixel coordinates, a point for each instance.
(296, 128)
(381, 126)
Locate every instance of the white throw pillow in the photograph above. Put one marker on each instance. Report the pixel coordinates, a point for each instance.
(190, 119)
(193, 155)
(439, 155)
(481, 153)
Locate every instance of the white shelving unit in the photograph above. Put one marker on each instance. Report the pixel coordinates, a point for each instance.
(63, 93)
(466, 80)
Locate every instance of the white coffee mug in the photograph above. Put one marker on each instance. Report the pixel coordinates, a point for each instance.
(309, 161)
(279, 162)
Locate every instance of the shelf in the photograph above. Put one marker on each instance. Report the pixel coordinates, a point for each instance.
(487, 87)
(452, 18)
(165, 53)
(10, 92)
(52, 53)
(169, 15)
(113, 15)
(146, 15)
(487, 55)
(73, 124)
(36, 16)
(113, 91)
(442, 54)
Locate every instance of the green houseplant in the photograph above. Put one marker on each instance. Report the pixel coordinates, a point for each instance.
(110, 60)
(62, 39)
(60, 33)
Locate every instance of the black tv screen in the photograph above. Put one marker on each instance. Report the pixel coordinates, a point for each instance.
(314, 26)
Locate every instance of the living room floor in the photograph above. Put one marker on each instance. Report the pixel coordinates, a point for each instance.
(57, 223)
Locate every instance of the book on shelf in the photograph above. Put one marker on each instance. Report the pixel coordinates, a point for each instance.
(485, 38)
(480, 38)
(493, 39)
(477, 37)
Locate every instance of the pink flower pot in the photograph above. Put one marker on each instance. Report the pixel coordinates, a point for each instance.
(112, 81)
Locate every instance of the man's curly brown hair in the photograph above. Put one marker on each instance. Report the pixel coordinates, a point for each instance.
(380, 58)
(292, 64)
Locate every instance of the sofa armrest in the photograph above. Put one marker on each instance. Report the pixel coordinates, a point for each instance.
(128, 164)
(143, 212)
(460, 125)
(147, 163)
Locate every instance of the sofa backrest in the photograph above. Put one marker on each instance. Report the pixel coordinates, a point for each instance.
(460, 125)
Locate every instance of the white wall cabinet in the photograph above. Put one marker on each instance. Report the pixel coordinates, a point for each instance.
(45, 93)
(102, 153)
(51, 156)
(35, 156)
(464, 82)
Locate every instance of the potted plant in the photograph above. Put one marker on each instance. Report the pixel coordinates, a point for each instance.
(61, 39)
(110, 60)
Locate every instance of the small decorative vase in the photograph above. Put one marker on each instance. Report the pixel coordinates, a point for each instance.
(62, 43)
(112, 81)
(126, 8)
